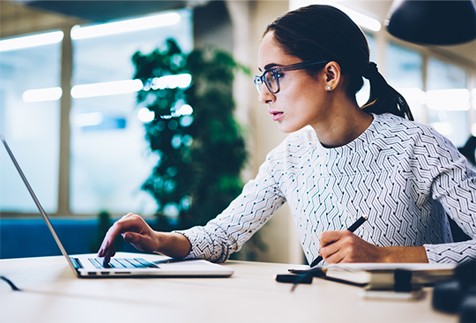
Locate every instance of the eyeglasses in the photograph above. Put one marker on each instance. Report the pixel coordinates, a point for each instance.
(271, 76)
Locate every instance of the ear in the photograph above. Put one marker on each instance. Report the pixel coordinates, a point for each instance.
(332, 75)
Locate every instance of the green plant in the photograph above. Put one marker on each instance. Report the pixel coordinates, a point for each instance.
(200, 154)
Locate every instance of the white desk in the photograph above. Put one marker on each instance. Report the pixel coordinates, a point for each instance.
(51, 293)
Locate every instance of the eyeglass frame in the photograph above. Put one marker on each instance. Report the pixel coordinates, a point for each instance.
(258, 80)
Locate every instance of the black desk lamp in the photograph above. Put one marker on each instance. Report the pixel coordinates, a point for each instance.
(433, 22)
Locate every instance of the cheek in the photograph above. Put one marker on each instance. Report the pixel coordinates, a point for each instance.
(306, 85)
(294, 90)
(302, 94)
(306, 97)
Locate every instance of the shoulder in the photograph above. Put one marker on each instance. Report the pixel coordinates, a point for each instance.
(413, 136)
(389, 125)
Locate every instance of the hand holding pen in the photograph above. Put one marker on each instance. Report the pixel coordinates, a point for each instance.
(352, 228)
(318, 271)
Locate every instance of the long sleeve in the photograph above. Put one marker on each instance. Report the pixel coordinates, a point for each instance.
(454, 188)
(226, 234)
(405, 176)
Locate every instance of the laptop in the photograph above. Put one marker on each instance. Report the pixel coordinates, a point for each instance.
(85, 266)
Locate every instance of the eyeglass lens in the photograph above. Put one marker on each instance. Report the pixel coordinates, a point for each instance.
(270, 78)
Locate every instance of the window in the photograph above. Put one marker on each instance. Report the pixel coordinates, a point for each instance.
(29, 119)
(109, 157)
(109, 153)
(448, 100)
(404, 73)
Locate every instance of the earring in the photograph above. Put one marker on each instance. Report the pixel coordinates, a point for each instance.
(329, 88)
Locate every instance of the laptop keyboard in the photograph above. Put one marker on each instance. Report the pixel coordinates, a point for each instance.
(123, 263)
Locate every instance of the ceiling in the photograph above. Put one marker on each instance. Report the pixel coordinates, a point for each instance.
(100, 10)
(25, 16)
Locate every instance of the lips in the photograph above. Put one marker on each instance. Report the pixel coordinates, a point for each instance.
(276, 115)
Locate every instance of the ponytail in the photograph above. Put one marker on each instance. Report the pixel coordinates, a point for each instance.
(384, 98)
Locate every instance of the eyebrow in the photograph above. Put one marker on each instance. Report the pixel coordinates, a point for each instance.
(269, 66)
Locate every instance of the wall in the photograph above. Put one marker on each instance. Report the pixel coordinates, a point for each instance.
(239, 30)
(279, 233)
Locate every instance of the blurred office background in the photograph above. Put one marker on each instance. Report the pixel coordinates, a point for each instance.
(67, 100)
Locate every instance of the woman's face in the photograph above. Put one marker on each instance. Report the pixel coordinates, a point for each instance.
(301, 99)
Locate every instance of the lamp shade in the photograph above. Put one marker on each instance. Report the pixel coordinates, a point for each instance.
(433, 22)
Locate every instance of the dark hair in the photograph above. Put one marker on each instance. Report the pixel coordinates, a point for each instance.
(322, 32)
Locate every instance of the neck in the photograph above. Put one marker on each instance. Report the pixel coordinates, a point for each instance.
(343, 126)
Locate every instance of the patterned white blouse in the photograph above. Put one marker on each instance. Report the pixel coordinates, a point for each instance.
(407, 177)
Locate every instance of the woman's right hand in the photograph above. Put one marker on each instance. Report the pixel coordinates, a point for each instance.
(134, 230)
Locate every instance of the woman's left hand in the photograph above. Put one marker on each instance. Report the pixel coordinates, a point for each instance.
(344, 246)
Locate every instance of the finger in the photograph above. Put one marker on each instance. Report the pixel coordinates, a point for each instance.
(107, 246)
(335, 258)
(128, 222)
(106, 249)
(105, 262)
(122, 225)
(328, 237)
(132, 237)
(103, 248)
(138, 240)
(107, 253)
(330, 249)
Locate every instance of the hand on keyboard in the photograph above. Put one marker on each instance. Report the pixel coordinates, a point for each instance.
(134, 230)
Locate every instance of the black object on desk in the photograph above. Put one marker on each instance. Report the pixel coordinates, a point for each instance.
(293, 278)
(458, 295)
(300, 277)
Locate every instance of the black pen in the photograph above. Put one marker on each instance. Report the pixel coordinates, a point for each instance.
(352, 228)
(318, 271)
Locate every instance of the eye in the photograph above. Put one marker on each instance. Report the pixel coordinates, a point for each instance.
(278, 73)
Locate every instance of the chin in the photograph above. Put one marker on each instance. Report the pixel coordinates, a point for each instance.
(287, 129)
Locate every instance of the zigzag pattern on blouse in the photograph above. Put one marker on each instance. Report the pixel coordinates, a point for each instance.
(404, 175)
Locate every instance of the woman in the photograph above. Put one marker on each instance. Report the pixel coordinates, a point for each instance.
(339, 162)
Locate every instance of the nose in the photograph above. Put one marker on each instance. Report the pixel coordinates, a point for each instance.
(265, 96)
